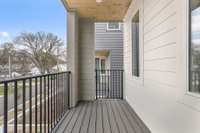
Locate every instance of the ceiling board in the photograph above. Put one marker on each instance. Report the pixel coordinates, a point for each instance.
(108, 10)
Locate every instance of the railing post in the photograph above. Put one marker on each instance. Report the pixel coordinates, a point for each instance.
(44, 123)
(24, 105)
(30, 105)
(36, 93)
(51, 102)
(96, 83)
(5, 107)
(15, 106)
(48, 112)
(69, 89)
(40, 104)
(122, 84)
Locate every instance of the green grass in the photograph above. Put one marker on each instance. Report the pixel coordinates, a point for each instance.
(10, 89)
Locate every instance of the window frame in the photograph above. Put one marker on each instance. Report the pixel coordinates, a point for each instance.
(100, 59)
(137, 46)
(184, 96)
(189, 32)
(97, 61)
(110, 29)
(128, 33)
(103, 60)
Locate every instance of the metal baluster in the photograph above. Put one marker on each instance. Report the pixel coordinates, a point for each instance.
(122, 84)
(69, 87)
(48, 104)
(30, 105)
(24, 106)
(36, 109)
(40, 104)
(5, 107)
(51, 102)
(44, 104)
(15, 106)
(54, 99)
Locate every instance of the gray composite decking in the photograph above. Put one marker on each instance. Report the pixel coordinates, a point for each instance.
(102, 116)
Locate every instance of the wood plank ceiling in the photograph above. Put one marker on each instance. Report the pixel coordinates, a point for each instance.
(107, 10)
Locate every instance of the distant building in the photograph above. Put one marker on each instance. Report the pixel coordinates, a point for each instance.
(109, 45)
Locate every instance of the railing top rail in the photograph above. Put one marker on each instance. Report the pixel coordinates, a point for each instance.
(109, 70)
(30, 77)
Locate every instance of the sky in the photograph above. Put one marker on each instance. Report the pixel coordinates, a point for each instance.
(196, 26)
(18, 16)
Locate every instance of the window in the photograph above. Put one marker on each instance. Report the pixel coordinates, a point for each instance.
(135, 45)
(103, 64)
(113, 26)
(194, 46)
(100, 64)
(97, 63)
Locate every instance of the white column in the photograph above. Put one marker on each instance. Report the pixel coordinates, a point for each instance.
(72, 55)
(86, 59)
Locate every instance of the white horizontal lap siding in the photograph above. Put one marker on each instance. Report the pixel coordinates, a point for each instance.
(157, 98)
(159, 22)
(86, 59)
(111, 41)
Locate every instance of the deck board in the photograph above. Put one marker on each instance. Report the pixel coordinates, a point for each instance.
(119, 122)
(134, 124)
(92, 124)
(106, 121)
(102, 116)
(86, 120)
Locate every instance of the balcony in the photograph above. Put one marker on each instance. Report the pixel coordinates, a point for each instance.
(34, 104)
(42, 104)
(102, 116)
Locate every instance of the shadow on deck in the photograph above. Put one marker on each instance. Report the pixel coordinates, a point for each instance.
(102, 116)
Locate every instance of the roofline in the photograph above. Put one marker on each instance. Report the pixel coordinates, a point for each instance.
(66, 5)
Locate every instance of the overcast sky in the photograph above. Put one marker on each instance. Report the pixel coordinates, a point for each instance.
(31, 16)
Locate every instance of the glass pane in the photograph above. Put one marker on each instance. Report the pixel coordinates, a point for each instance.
(103, 64)
(113, 26)
(194, 46)
(135, 45)
(97, 63)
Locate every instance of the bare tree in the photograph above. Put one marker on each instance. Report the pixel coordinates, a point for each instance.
(41, 48)
(6, 53)
(21, 63)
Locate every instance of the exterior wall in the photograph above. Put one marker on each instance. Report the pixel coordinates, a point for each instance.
(72, 54)
(112, 41)
(159, 96)
(86, 59)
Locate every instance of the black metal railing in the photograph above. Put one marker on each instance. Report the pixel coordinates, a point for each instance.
(34, 104)
(109, 84)
(195, 81)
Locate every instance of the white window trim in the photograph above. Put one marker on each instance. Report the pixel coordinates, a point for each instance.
(139, 45)
(187, 98)
(188, 92)
(118, 29)
(140, 79)
(100, 59)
